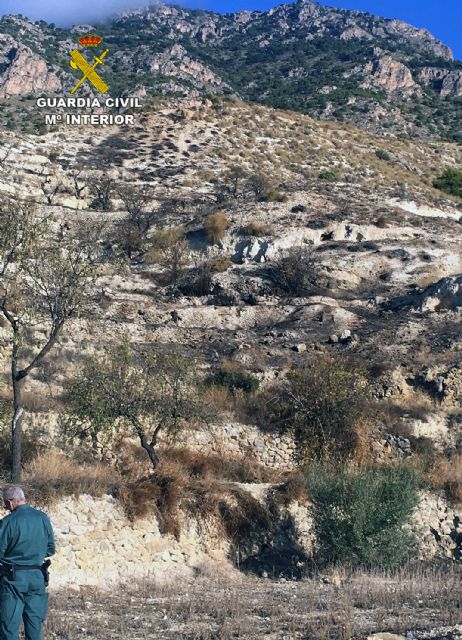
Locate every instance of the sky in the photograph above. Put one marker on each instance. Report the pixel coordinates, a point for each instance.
(442, 17)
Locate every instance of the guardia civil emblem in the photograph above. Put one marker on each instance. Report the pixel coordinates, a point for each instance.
(80, 63)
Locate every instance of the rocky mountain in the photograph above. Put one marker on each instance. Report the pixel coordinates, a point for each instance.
(380, 74)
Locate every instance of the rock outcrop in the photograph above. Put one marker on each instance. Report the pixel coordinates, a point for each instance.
(389, 74)
(445, 82)
(176, 62)
(446, 294)
(27, 74)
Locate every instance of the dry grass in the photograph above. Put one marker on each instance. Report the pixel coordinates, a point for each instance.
(216, 225)
(446, 474)
(258, 229)
(344, 606)
(220, 264)
(53, 475)
(197, 484)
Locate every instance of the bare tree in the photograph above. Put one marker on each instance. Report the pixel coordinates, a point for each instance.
(170, 249)
(103, 189)
(262, 187)
(42, 281)
(80, 181)
(134, 229)
(50, 188)
(6, 154)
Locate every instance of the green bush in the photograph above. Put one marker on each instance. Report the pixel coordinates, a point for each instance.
(331, 176)
(383, 155)
(325, 405)
(359, 517)
(235, 379)
(450, 182)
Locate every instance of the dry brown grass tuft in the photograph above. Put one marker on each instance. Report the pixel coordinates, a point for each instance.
(293, 488)
(216, 225)
(53, 475)
(258, 229)
(220, 264)
(200, 485)
(209, 467)
(446, 474)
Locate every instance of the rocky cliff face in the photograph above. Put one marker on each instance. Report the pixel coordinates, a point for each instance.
(26, 73)
(446, 83)
(391, 75)
(176, 62)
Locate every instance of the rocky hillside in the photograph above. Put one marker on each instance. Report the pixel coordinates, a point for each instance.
(385, 243)
(383, 75)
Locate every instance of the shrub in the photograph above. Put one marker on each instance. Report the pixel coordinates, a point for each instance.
(382, 222)
(330, 176)
(199, 281)
(383, 155)
(169, 249)
(193, 481)
(450, 182)
(359, 517)
(295, 271)
(264, 189)
(446, 473)
(102, 189)
(220, 264)
(257, 229)
(216, 225)
(325, 404)
(235, 379)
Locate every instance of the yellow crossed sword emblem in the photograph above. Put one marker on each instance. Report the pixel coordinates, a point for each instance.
(89, 73)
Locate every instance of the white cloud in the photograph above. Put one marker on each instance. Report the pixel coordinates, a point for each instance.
(69, 12)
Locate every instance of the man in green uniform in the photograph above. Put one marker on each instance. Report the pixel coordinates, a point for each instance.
(26, 539)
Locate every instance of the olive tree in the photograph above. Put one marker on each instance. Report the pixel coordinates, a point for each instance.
(134, 389)
(43, 281)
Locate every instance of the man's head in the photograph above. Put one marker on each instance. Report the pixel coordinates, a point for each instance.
(13, 497)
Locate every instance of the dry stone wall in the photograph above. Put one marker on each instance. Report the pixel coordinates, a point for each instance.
(271, 449)
(99, 546)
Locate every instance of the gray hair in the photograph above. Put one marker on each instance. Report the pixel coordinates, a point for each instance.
(13, 493)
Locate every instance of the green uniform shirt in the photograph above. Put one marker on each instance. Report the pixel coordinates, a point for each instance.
(26, 537)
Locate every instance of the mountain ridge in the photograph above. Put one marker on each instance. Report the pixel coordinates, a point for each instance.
(378, 73)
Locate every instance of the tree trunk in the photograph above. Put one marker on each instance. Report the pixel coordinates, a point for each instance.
(149, 448)
(16, 431)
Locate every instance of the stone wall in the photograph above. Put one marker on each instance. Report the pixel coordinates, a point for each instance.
(270, 449)
(98, 545)
(231, 438)
(438, 527)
